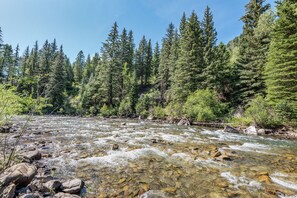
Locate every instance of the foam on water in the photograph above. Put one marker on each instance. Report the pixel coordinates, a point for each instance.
(173, 138)
(253, 147)
(285, 184)
(241, 181)
(122, 156)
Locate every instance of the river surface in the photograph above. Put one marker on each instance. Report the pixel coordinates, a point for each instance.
(163, 160)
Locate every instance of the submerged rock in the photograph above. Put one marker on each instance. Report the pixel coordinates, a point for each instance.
(251, 130)
(230, 129)
(19, 174)
(31, 155)
(72, 186)
(115, 147)
(5, 129)
(8, 192)
(185, 122)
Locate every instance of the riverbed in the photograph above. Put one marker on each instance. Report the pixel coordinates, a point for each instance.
(136, 158)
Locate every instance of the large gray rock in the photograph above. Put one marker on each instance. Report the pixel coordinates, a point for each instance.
(31, 155)
(65, 195)
(251, 130)
(52, 185)
(230, 129)
(19, 174)
(8, 192)
(72, 186)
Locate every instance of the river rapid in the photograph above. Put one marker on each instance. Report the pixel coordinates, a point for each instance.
(135, 158)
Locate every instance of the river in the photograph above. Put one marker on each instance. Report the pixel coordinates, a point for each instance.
(135, 158)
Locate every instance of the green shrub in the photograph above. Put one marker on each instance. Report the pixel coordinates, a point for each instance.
(262, 113)
(125, 108)
(146, 102)
(107, 111)
(174, 110)
(9, 104)
(203, 105)
(158, 112)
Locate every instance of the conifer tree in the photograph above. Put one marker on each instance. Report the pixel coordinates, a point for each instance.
(281, 69)
(131, 51)
(148, 62)
(189, 67)
(209, 43)
(174, 53)
(156, 60)
(56, 85)
(164, 66)
(1, 39)
(45, 67)
(253, 10)
(183, 23)
(24, 62)
(140, 60)
(78, 67)
(112, 50)
(34, 61)
(7, 64)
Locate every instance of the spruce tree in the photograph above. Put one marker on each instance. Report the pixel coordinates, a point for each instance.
(164, 66)
(45, 67)
(209, 43)
(7, 65)
(140, 61)
(174, 53)
(281, 69)
(189, 66)
(78, 67)
(148, 62)
(25, 62)
(156, 61)
(1, 39)
(56, 85)
(248, 86)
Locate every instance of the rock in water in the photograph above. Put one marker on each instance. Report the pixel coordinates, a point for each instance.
(5, 129)
(32, 155)
(115, 147)
(52, 185)
(251, 130)
(8, 192)
(20, 174)
(185, 122)
(230, 129)
(72, 186)
(65, 195)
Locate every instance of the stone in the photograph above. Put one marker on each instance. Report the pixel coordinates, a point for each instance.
(264, 177)
(72, 186)
(154, 141)
(123, 123)
(115, 147)
(5, 129)
(185, 122)
(8, 192)
(151, 117)
(261, 132)
(32, 155)
(230, 129)
(52, 185)
(65, 195)
(20, 174)
(251, 130)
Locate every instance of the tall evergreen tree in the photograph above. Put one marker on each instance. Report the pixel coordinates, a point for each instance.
(112, 50)
(189, 67)
(174, 53)
(34, 61)
(253, 10)
(140, 60)
(164, 66)
(148, 62)
(78, 67)
(25, 62)
(56, 85)
(281, 69)
(209, 43)
(7, 65)
(156, 60)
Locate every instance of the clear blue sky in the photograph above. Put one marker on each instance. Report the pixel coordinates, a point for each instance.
(84, 24)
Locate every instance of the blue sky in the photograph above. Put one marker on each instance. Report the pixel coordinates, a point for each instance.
(84, 24)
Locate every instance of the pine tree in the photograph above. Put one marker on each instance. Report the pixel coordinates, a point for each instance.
(45, 67)
(183, 23)
(209, 43)
(78, 67)
(7, 65)
(33, 69)
(140, 60)
(56, 85)
(174, 53)
(112, 50)
(188, 71)
(253, 10)
(164, 66)
(156, 61)
(25, 62)
(87, 70)
(148, 62)
(281, 69)
(131, 51)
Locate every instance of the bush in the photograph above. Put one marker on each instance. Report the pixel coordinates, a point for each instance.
(146, 102)
(107, 111)
(9, 104)
(158, 112)
(174, 110)
(125, 108)
(262, 114)
(203, 105)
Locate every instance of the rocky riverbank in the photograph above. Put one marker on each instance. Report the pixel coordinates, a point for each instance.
(30, 177)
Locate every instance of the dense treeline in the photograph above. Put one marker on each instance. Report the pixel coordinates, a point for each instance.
(189, 75)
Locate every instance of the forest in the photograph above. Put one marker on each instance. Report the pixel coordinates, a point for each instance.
(190, 74)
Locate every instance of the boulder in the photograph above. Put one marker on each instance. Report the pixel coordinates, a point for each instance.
(65, 195)
(72, 186)
(5, 129)
(151, 117)
(31, 155)
(19, 174)
(230, 129)
(185, 122)
(261, 132)
(251, 130)
(115, 147)
(52, 185)
(8, 192)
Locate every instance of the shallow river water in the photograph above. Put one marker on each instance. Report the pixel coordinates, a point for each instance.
(164, 160)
